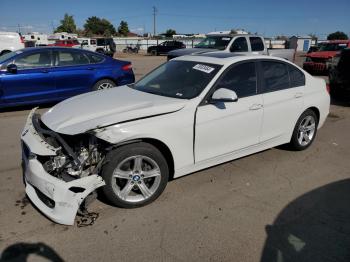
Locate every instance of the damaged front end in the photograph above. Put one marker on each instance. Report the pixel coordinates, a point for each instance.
(60, 171)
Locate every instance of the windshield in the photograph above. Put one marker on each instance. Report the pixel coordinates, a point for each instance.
(215, 42)
(332, 47)
(179, 79)
(7, 56)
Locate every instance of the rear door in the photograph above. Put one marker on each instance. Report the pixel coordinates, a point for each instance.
(33, 81)
(73, 72)
(283, 89)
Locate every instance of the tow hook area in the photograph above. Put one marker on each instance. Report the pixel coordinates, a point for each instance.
(84, 217)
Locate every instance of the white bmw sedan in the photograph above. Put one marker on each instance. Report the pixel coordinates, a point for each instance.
(190, 113)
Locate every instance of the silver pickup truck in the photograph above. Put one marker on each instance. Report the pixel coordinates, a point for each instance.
(234, 43)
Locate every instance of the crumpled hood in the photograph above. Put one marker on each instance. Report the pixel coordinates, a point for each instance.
(106, 107)
(190, 51)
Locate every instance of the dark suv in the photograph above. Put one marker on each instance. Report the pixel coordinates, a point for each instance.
(339, 77)
(165, 47)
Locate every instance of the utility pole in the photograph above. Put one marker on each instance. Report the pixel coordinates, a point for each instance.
(154, 20)
(19, 28)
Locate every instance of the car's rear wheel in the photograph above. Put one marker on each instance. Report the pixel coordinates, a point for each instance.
(304, 131)
(135, 175)
(154, 52)
(104, 84)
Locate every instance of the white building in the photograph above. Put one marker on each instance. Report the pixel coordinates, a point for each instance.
(300, 43)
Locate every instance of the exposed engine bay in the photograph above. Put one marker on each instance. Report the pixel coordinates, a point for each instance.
(78, 156)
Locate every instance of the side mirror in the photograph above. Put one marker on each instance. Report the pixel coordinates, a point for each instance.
(12, 68)
(224, 95)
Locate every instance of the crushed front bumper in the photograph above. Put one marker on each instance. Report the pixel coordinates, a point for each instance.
(57, 199)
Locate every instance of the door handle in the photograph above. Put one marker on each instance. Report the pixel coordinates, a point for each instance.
(44, 71)
(256, 107)
(91, 68)
(298, 95)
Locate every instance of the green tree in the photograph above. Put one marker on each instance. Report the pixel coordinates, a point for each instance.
(67, 25)
(337, 36)
(98, 26)
(170, 32)
(123, 28)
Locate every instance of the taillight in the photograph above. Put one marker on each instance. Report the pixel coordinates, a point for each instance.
(22, 39)
(328, 87)
(127, 67)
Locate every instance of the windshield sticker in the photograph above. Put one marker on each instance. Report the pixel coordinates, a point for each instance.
(226, 38)
(204, 68)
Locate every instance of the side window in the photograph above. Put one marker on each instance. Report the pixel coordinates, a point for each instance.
(93, 42)
(275, 76)
(94, 59)
(34, 60)
(239, 45)
(297, 78)
(240, 78)
(69, 58)
(256, 44)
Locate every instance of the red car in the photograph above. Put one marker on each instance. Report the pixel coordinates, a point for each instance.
(66, 43)
(316, 62)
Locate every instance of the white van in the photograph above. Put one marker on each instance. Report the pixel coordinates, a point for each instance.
(10, 41)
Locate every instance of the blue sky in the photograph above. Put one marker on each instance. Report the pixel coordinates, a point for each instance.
(265, 17)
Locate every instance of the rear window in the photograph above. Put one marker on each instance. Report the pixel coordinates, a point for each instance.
(297, 78)
(68, 58)
(256, 44)
(275, 76)
(95, 59)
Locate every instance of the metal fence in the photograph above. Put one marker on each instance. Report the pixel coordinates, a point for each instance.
(121, 43)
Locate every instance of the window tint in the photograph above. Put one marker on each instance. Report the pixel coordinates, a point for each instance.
(93, 42)
(239, 45)
(297, 78)
(256, 43)
(241, 79)
(275, 76)
(94, 59)
(34, 60)
(68, 58)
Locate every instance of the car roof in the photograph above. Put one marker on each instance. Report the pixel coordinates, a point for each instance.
(222, 58)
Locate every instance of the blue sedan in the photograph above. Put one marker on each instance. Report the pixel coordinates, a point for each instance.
(49, 74)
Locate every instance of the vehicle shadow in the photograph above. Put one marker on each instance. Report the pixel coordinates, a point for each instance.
(21, 251)
(313, 227)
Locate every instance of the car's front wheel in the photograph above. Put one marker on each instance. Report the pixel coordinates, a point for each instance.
(304, 131)
(135, 175)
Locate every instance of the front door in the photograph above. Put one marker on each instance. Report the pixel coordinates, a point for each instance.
(227, 127)
(33, 80)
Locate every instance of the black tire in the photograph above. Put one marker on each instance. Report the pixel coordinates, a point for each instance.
(4, 52)
(100, 51)
(294, 142)
(154, 52)
(104, 82)
(116, 157)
